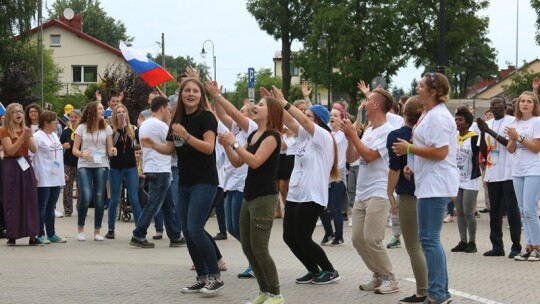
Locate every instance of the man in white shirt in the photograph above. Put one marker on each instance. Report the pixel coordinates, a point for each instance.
(371, 204)
(498, 177)
(156, 168)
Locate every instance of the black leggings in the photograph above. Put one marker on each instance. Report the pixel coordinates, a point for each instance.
(298, 226)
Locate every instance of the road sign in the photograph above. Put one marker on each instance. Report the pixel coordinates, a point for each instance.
(251, 94)
(251, 78)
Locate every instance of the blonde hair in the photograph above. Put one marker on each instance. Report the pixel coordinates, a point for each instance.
(8, 121)
(114, 119)
(440, 84)
(536, 108)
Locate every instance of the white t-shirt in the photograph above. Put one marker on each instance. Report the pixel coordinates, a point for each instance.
(436, 178)
(526, 162)
(464, 155)
(395, 120)
(96, 144)
(153, 161)
(48, 161)
(342, 143)
(373, 176)
(498, 160)
(235, 178)
(313, 161)
(221, 156)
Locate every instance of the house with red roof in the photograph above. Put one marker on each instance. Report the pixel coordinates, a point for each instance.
(82, 57)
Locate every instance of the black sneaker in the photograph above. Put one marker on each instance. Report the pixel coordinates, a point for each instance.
(327, 240)
(471, 247)
(220, 236)
(513, 254)
(212, 286)
(484, 210)
(195, 287)
(307, 278)
(461, 247)
(177, 243)
(524, 256)
(413, 299)
(337, 242)
(326, 277)
(110, 234)
(492, 252)
(10, 242)
(143, 244)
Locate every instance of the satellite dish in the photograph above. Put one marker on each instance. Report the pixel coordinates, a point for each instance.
(68, 13)
(378, 81)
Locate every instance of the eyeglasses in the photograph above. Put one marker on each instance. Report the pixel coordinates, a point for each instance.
(17, 112)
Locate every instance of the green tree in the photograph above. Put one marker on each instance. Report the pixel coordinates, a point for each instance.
(96, 21)
(363, 39)
(521, 82)
(16, 19)
(263, 78)
(535, 4)
(285, 20)
(177, 66)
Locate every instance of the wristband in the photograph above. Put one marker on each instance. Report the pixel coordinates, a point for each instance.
(287, 106)
(409, 146)
(189, 136)
(218, 97)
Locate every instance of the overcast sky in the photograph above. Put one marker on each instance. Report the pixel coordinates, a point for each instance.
(240, 44)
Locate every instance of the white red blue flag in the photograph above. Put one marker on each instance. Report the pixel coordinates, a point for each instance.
(152, 73)
(2, 109)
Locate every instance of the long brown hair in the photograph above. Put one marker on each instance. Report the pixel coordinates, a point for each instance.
(31, 106)
(412, 110)
(90, 117)
(440, 84)
(8, 121)
(275, 114)
(180, 109)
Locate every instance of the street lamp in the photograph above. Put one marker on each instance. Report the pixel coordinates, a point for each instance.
(203, 54)
(323, 43)
(441, 68)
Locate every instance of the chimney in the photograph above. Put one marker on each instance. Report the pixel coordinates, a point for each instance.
(506, 72)
(76, 22)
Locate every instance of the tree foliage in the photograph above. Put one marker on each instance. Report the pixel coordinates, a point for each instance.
(16, 19)
(177, 66)
(363, 40)
(96, 21)
(521, 82)
(263, 78)
(535, 4)
(285, 20)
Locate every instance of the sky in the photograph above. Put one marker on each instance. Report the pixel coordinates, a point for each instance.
(239, 43)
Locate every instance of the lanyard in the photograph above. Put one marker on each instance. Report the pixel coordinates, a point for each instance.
(417, 124)
(53, 141)
(96, 142)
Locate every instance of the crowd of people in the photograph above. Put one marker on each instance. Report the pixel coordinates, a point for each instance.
(407, 160)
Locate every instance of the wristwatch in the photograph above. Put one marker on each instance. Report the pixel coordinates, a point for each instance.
(521, 138)
(235, 146)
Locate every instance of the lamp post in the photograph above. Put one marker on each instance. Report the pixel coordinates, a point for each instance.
(441, 68)
(203, 55)
(323, 43)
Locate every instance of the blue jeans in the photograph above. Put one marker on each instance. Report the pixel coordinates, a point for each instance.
(431, 212)
(47, 198)
(220, 212)
(92, 187)
(335, 202)
(158, 219)
(233, 205)
(528, 195)
(195, 205)
(131, 177)
(158, 186)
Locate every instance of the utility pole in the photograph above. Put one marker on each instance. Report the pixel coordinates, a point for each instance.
(441, 68)
(40, 50)
(163, 59)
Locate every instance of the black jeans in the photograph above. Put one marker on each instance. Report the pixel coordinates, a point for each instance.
(502, 197)
(298, 226)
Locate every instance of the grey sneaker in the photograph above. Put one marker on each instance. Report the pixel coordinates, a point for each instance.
(143, 244)
(371, 284)
(534, 256)
(388, 285)
(524, 256)
(327, 240)
(195, 287)
(212, 286)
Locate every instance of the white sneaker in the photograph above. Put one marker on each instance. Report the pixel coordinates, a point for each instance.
(448, 219)
(57, 214)
(319, 223)
(350, 222)
(81, 236)
(98, 237)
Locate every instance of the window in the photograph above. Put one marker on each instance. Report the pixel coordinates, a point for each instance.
(295, 71)
(55, 40)
(84, 73)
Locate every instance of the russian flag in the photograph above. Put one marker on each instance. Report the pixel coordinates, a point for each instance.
(152, 73)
